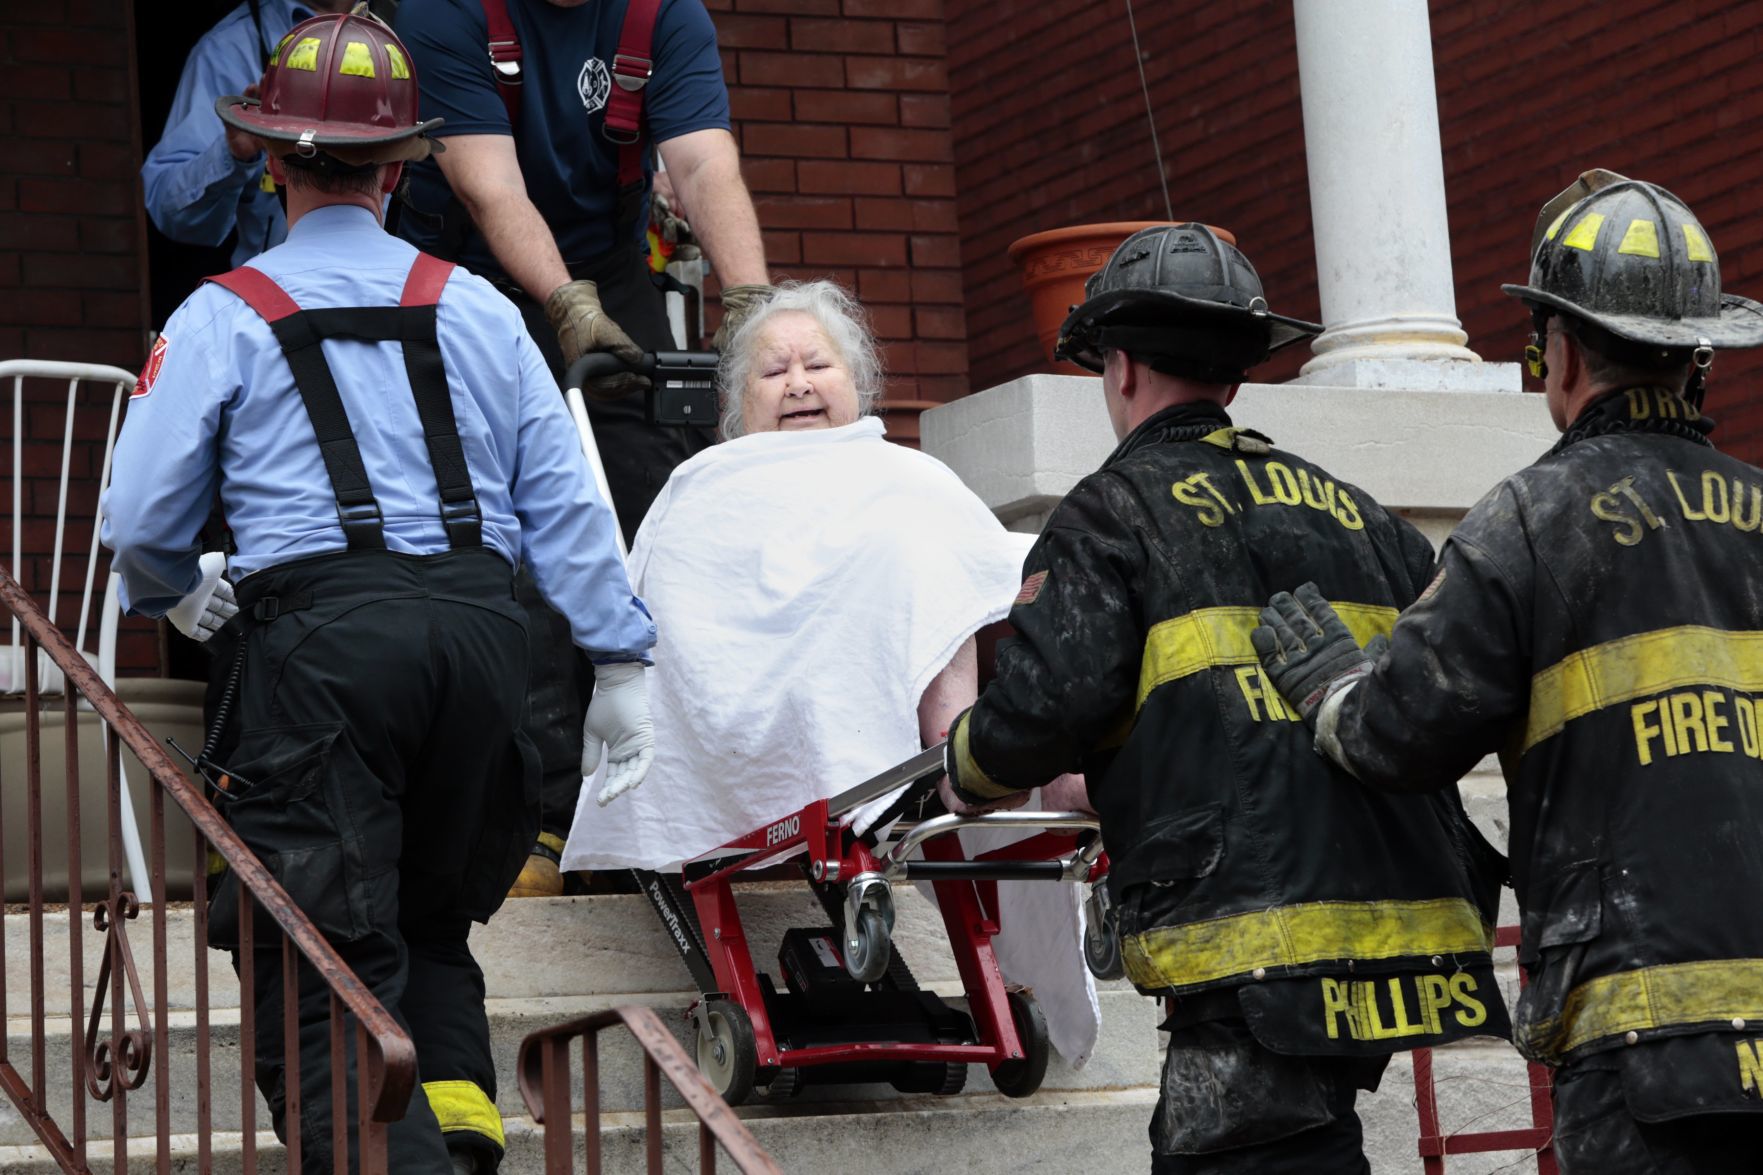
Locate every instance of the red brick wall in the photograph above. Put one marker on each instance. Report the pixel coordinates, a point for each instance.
(1050, 130)
(842, 109)
(70, 264)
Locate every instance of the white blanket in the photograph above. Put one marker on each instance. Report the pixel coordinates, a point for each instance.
(806, 587)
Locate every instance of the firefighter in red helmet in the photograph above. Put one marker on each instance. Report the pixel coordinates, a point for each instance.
(388, 446)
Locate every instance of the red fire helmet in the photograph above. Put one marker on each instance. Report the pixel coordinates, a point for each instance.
(343, 84)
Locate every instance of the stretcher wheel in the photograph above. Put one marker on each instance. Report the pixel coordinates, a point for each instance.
(1101, 943)
(868, 947)
(1021, 1077)
(728, 1056)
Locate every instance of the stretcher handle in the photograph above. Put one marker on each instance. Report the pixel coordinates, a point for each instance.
(928, 763)
(985, 870)
(894, 860)
(595, 364)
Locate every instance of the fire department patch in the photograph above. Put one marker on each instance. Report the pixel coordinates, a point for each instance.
(1432, 589)
(150, 369)
(1031, 589)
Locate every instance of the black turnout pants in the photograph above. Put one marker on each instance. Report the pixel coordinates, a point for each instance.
(638, 457)
(381, 774)
(1230, 1106)
(1597, 1133)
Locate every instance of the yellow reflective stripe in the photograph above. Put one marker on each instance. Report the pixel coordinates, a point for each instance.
(1637, 667)
(1211, 637)
(1641, 239)
(1697, 243)
(971, 776)
(1585, 233)
(1670, 995)
(357, 60)
(551, 841)
(400, 68)
(461, 1105)
(1296, 936)
(1555, 225)
(303, 55)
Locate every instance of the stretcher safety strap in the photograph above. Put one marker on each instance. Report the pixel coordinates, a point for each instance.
(1209, 638)
(1671, 995)
(461, 1105)
(1637, 667)
(1300, 935)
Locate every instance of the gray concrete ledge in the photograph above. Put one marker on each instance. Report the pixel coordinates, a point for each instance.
(1021, 446)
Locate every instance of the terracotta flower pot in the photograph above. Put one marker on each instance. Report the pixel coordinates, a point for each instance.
(1055, 264)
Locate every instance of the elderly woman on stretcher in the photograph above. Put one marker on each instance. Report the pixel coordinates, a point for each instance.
(817, 591)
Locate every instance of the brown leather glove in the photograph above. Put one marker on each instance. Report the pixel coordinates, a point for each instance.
(737, 303)
(583, 327)
(671, 226)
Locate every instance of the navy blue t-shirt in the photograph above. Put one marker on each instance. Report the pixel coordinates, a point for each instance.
(570, 168)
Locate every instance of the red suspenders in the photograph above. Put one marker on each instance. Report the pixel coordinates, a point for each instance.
(631, 68)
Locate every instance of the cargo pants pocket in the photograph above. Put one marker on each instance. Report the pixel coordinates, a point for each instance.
(1222, 1089)
(290, 811)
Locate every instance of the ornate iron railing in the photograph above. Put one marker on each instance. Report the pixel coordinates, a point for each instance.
(545, 1084)
(103, 1065)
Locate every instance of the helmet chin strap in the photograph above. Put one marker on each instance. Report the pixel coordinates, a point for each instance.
(1696, 388)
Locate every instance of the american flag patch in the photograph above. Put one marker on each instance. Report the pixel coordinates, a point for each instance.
(1031, 589)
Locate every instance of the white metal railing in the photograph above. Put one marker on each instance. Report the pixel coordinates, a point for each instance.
(14, 671)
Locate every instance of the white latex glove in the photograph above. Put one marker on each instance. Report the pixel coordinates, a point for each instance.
(200, 614)
(618, 718)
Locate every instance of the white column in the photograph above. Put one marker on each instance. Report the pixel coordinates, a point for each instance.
(1377, 197)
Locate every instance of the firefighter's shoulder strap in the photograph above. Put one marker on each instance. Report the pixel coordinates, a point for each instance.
(632, 66)
(411, 323)
(505, 56)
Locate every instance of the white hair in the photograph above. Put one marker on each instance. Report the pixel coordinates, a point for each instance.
(839, 315)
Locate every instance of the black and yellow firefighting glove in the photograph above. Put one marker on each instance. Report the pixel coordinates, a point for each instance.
(583, 326)
(1307, 649)
(970, 785)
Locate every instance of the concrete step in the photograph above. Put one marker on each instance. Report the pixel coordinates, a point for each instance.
(1126, 1056)
(1102, 1131)
(549, 960)
(532, 948)
(1099, 1132)
(545, 961)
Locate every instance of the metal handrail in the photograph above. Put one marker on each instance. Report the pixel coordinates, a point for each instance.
(387, 1069)
(544, 1085)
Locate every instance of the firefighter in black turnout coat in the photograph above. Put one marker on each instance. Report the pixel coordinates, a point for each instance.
(1598, 620)
(1307, 928)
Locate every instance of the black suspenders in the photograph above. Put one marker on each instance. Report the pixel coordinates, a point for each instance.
(410, 323)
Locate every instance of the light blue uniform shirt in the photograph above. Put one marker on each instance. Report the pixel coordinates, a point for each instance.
(222, 411)
(196, 191)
